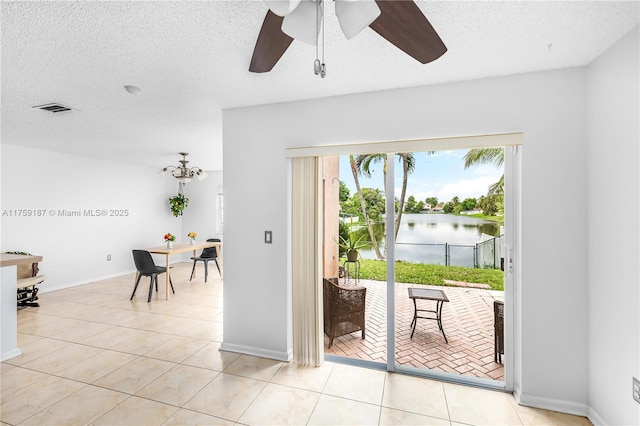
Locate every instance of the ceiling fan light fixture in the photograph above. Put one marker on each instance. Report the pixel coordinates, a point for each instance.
(299, 24)
(400, 22)
(355, 16)
(282, 7)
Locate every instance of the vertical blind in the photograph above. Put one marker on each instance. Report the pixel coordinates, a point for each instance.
(308, 337)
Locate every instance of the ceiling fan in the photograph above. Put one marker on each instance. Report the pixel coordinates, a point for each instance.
(401, 22)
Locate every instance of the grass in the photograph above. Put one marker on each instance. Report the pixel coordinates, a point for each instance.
(491, 218)
(418, 273)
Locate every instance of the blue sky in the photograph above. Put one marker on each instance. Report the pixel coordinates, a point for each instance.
(440, 175)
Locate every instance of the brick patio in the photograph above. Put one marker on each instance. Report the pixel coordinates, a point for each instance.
(467, 321)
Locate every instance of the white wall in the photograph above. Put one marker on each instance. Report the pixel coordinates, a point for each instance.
(548, 107)
(613, 196)
(255, 200)
(74, 249)
(200, 214)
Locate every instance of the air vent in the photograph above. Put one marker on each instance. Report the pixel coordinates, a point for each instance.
(55, 107)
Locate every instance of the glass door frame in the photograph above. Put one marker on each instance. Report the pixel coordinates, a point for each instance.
(511, 213)
(513, 151)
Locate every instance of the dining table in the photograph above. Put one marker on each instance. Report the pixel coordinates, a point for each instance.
(183, 248)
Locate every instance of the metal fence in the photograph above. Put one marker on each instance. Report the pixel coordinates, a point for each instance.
(486, 254)
(489, 253)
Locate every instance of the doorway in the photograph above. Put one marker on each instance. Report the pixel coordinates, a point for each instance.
(399, 353)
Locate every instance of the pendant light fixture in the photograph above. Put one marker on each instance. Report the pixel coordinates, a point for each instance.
(183, 173)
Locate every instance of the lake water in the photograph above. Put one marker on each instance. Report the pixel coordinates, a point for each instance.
(422, 238)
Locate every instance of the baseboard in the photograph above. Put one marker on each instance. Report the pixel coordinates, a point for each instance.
(568, 407)
(259, 352)
(595, 418)
(10, 354)
(43, 288)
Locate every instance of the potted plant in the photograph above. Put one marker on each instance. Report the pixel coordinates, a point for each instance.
(169, 239)
(351, 246)
(192, 237)
(178, 204)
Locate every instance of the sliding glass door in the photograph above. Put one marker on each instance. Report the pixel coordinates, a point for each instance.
(433, 234)
(448, 246)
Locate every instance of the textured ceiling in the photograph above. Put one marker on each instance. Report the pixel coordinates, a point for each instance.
(191, 60)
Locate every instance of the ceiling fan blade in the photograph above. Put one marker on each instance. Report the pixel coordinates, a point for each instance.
(271, 44)
(404, 25)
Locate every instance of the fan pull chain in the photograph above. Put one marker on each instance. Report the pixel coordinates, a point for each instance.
(323, 68)
(316, 63)
(319, 68)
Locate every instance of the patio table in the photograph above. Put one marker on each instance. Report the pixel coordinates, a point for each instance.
(428, 294)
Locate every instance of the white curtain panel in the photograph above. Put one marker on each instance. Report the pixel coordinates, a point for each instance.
(308, 335)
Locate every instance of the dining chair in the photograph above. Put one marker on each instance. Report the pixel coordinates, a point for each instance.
(208, 254)
(146, 267)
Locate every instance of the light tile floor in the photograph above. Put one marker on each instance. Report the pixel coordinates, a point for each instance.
(90, 356)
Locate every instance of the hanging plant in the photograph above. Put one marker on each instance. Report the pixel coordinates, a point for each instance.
(178, 204)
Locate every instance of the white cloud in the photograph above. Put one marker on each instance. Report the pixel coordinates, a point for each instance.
(449, 154)
(419, 196)
(472, 187)
(467, 188)
(485, 169)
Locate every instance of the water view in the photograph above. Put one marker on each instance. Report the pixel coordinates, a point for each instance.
(437, 238)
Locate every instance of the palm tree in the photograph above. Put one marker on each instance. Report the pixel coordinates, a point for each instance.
(497, 188)
(408, 166)
(489, 156)
(364, 162)
(363, 206)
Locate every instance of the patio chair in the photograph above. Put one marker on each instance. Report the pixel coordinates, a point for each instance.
(498, 327)
(344, 309)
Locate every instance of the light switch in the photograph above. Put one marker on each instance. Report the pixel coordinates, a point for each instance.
(268, 237)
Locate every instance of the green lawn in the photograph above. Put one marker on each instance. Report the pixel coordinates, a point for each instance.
(491, 218)
(418, 273)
